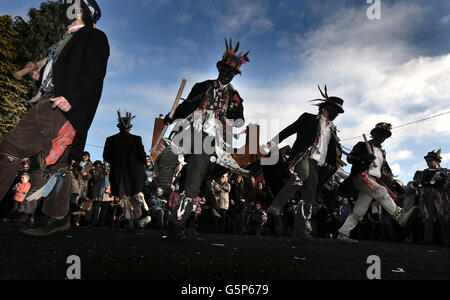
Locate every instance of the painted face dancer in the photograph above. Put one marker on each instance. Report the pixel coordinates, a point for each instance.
(212, 109)
(313, 155)
(366, 179)
(54, 131)
(126, 155)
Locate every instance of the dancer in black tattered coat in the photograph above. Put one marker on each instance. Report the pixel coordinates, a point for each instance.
(54, 131)
(435, 199)
(126, 155)
(312, 160)
(212, 109)
(369, 170)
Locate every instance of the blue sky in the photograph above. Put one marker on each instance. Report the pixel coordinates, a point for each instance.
(396, 69)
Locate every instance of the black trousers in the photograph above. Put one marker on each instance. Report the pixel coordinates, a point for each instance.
(196, 171)
(99, 212)
(32, 137)
(308, 171)
(198, 174)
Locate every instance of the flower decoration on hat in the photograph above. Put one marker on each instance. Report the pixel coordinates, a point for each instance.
(234, 59)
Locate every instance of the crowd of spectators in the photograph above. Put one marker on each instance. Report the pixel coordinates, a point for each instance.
(242, 204)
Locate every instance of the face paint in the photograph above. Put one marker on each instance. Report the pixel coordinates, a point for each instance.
(226, 74)
(379, 139)
(333, 112)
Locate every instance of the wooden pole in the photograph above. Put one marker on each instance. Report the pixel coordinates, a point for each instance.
(20, 74)
(172, 112)
(369, 149)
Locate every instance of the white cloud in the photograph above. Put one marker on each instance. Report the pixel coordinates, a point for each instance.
(445, 20)
(374, 65)
(376, 68)
(401, 155)
(243, 16)
(396, 169)
(446, 158)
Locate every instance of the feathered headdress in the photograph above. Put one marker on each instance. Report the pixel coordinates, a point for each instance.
(336, 101)
(125, 122)
(234, 59)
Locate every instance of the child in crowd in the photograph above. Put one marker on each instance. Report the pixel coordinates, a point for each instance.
(20, 192)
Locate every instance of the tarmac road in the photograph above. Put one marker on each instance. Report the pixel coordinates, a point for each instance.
(116, 254)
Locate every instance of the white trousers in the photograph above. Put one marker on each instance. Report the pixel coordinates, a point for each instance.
(365, 198)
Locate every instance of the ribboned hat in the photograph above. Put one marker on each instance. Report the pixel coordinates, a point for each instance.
(434, 156)
(330, 101)
(232, 58)
(383, 129)
(125, 122)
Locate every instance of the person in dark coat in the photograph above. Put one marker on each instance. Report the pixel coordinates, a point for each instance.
(126, 155)
(366, 181)
(54, 131)
(434, 202)
(97, 192)
(212, 109)
(238, 196)
(312, 160)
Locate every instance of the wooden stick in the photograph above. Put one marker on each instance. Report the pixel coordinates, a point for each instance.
(172, 112)
(25, 71)
(369, 149)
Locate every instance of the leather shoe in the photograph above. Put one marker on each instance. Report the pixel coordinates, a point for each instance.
(46, 226)
(24, 220)
(346, 239)
(405, 218)
(275, 213)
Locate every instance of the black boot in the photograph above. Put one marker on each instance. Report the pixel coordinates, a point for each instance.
(45, 226)
(176, 233)
(275, 213)
(301, 230)
(24, 220)
(130, 226)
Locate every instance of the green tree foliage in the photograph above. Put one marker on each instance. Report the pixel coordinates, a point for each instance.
(12, 91)
(22, 42)
(43, 29)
